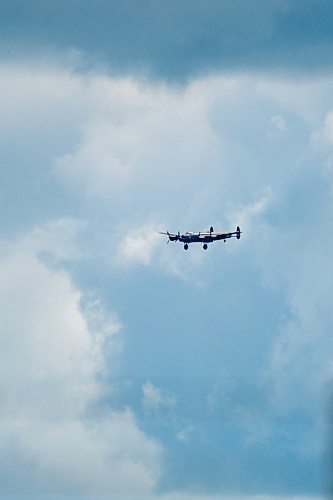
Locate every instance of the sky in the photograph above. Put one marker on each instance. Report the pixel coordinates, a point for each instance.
(130, 368)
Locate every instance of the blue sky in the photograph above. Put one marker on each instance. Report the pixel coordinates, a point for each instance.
(130, 368)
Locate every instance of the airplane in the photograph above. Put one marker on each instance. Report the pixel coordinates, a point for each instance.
(202, 237)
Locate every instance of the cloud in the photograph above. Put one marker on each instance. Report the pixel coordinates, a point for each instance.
(322, 142)
(128, 146)
(52, 358)
(135, 144)
(185, 434)
(139, 245)
(299, 365)
(155, 398)
(278, 122)
(177, 40)
(122, 156)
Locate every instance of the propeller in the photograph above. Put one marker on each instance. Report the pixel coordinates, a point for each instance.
(172, 237)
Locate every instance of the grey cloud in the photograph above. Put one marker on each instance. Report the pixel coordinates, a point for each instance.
(174, 39)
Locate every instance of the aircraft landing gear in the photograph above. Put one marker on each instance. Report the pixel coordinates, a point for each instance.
(186, 246)
(205, 246)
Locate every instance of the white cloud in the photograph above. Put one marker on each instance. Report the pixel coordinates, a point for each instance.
(143, 147)
(295, 259)
(59, 238)
(51, 357)
(138, 246)
(321, 145)
(278, 122)
(178, 152)
(184, 435)
(138, 140)
(155, 398)
(306, 98)
(129, 152)
(220, 391)
(250, 217)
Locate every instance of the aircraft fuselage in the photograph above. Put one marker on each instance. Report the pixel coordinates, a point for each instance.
(203, 237)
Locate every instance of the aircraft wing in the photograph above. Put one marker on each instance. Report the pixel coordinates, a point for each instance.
(202, 237)
(225, 236)
(172, 237)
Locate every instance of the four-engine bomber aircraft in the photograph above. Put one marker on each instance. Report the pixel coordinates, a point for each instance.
(202, 237)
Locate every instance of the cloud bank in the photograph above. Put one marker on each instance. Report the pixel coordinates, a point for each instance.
(53, 358)
(181, 39)
(227, 353)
